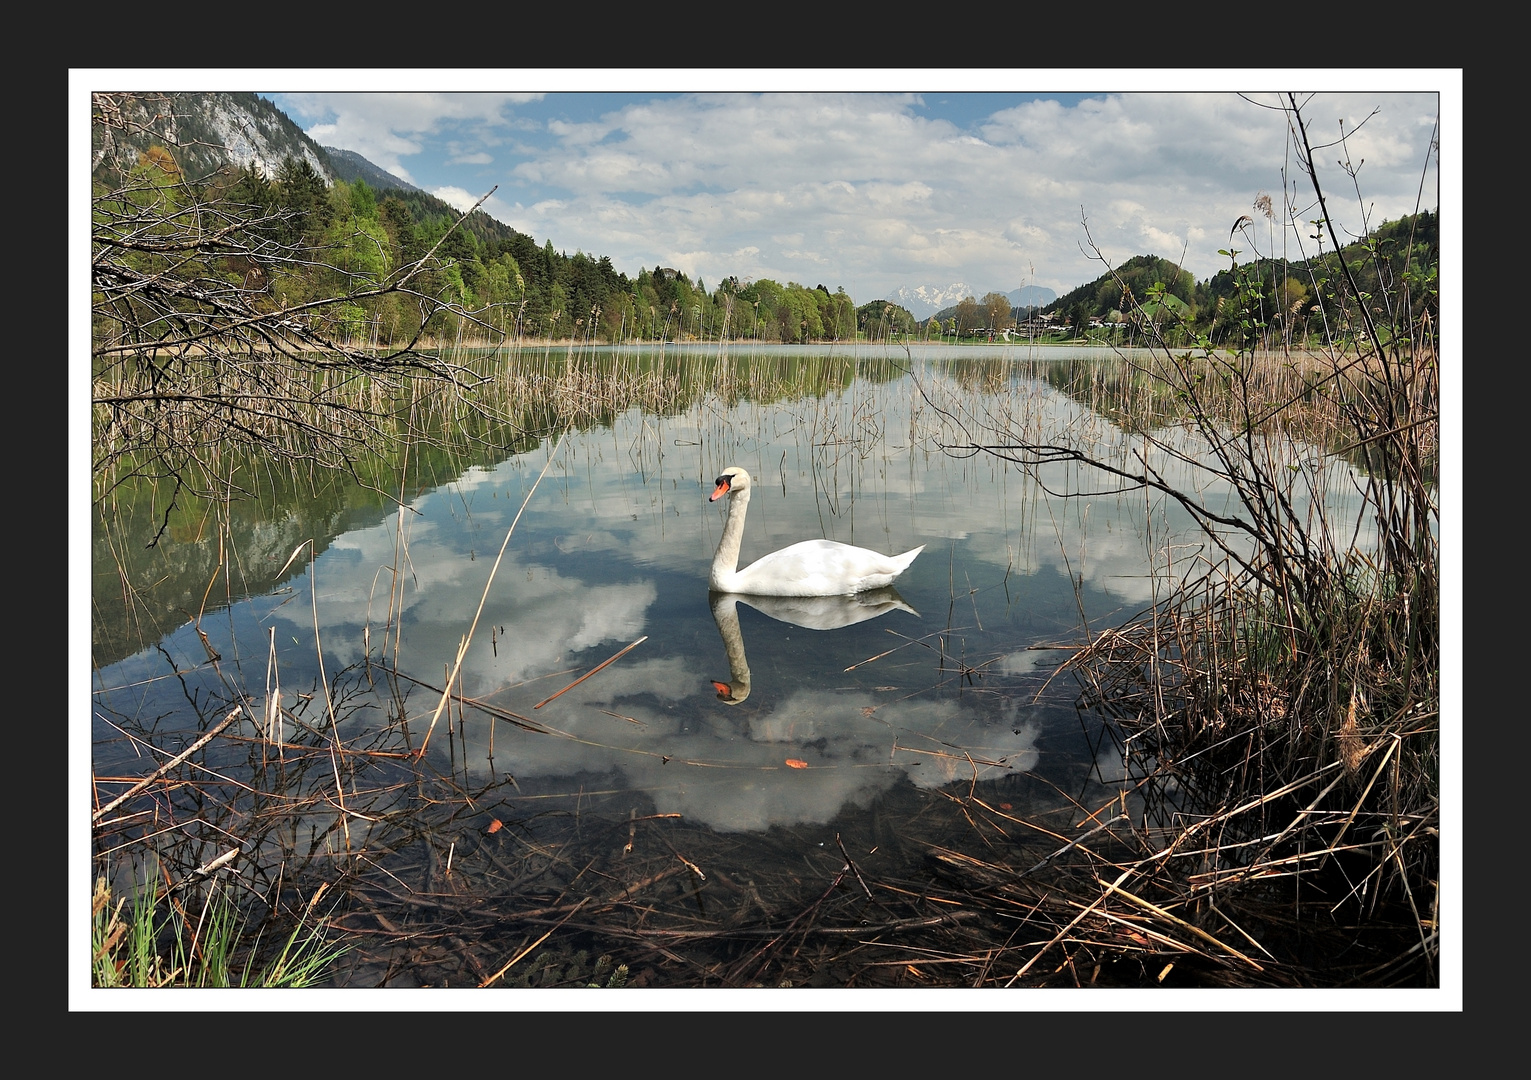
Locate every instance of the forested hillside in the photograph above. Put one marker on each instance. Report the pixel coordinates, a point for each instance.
(1294, 299)
(490, 282)
(514, 287)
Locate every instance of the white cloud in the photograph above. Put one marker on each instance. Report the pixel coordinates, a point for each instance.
(456, 197)
(878, 189)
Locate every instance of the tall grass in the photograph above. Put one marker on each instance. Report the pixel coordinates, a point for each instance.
(151, 939)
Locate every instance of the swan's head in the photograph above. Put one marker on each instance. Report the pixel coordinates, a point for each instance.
(730, 482)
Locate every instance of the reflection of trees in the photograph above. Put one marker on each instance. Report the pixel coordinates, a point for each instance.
(152, 557)
(983, 373)
(141, 593)
(144, 587)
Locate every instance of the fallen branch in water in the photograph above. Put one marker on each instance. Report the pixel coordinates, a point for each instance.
(592, 671)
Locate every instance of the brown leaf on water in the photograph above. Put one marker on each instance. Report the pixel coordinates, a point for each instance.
(796, 763)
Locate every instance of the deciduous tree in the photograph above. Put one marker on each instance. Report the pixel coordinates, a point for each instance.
(196, 351)
(996, 309)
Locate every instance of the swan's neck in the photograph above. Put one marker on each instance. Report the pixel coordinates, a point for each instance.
(725, 564)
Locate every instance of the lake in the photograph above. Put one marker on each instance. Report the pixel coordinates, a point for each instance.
(620, 771)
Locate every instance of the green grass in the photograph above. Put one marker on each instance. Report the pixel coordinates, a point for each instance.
(134, 945)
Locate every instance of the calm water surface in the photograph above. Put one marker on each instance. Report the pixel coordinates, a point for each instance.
(737, 716)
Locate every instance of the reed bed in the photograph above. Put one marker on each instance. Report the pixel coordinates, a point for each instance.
(294, 413)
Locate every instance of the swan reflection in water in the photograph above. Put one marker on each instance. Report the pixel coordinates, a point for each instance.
(809, 612)
(804, 747)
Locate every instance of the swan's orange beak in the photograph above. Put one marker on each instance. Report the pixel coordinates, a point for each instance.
(723, 485)
(722, 688)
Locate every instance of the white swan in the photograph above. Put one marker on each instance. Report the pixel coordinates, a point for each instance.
(809, 568)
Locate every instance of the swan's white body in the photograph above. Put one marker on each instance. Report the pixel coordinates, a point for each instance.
(809, 568)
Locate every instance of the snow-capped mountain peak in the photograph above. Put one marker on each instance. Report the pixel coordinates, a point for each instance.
(923, 301)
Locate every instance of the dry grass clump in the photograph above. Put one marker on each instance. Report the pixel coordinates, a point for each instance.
(1292, 784)
(1288, 703)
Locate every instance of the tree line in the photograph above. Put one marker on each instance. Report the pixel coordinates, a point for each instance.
(1294, 301)
(497, 284)
(493, 282)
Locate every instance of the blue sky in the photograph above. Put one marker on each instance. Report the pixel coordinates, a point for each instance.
(873, 180)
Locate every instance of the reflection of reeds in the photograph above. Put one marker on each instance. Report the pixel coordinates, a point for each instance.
(1308, 397)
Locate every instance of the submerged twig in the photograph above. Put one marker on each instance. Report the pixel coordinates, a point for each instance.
(172, 763)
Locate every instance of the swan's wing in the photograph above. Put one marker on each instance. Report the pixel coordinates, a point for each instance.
(821, 568)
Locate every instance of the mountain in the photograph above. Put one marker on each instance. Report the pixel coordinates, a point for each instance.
(923, 301)
(1031, 296)
(209, 130)
(351, 167)
(216, 130)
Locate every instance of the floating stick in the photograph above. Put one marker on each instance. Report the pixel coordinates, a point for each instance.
(592, 671)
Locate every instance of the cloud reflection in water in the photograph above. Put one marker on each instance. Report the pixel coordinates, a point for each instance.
(725, 763)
